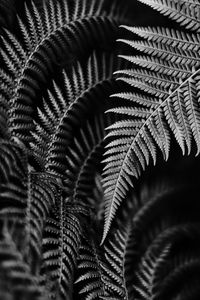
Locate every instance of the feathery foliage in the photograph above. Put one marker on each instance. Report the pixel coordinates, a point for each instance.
(59, 67)
(162, 105)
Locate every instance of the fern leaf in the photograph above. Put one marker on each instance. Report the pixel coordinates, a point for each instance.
(41, 196)
(184, 12)
(183, 56)
(175, 110)
(83, 157)
(61, 245)
(147, 273)
(15, 273)
(114, 263)
(62, 111)
(190, 266)
(90, 279)
(26, 199)
(167, 37)
(46, 34)
(13, 172)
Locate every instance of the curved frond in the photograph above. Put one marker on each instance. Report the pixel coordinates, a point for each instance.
(46, 35)
(13, 196)
(26, 199)
(90, 279)
(65, 110)
(16, 278)
(61, 244)
(42, 193)
(185, 12)
(114, 263)
(162, 243)
(166, 106)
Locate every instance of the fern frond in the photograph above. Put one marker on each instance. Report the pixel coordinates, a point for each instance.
(167, 37)
(83, 157)
(163, 51)
(147, 274)
(13, 172)
(89, 266)
(190, 266)
(65, 110)
(26, 199)
(156, 224)
(61, 245)
(174, 86)
(42, 194)
(46, 35)
(114, 265)
(183, 11)
(15, 273)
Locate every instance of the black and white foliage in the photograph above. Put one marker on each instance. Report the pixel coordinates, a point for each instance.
(88, 208)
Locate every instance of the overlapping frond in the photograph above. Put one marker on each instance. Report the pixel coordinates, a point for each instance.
(26, 198)
(147, 274)
(162, 248)
(163, 103)
(42, 193)
(83, 157)
(13, 196)
(15, 274)
(46, 35)
(114, 264)
(90, 277)
(59, 146)
(61, 244)
(185, 12)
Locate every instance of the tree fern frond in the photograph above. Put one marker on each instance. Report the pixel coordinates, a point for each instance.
(156, 223)
(63, 108)
(114, 265)
(26, 199)
(167, 37)
(183, 56)
(148, 272)
(190, 266)
(83, 156)
(61, 245)
(184, 12)
(46, 35)
(13, 172)
(175, 110)
(42, 194)
(89, 264)
(161, 66)
(15, 272)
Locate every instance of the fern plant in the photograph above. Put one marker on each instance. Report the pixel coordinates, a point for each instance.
(60, 171)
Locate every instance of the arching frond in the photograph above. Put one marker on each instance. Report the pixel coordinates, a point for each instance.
(60, 248)
(167, 105)
(46, 35)
(13, 197)
(161, 241)
(148, 272)
(65, 110)
(83, 157)
(90, 279)
(42, 193)
(182, 11)
(114, 265)
(16, 278)
(26, 199)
